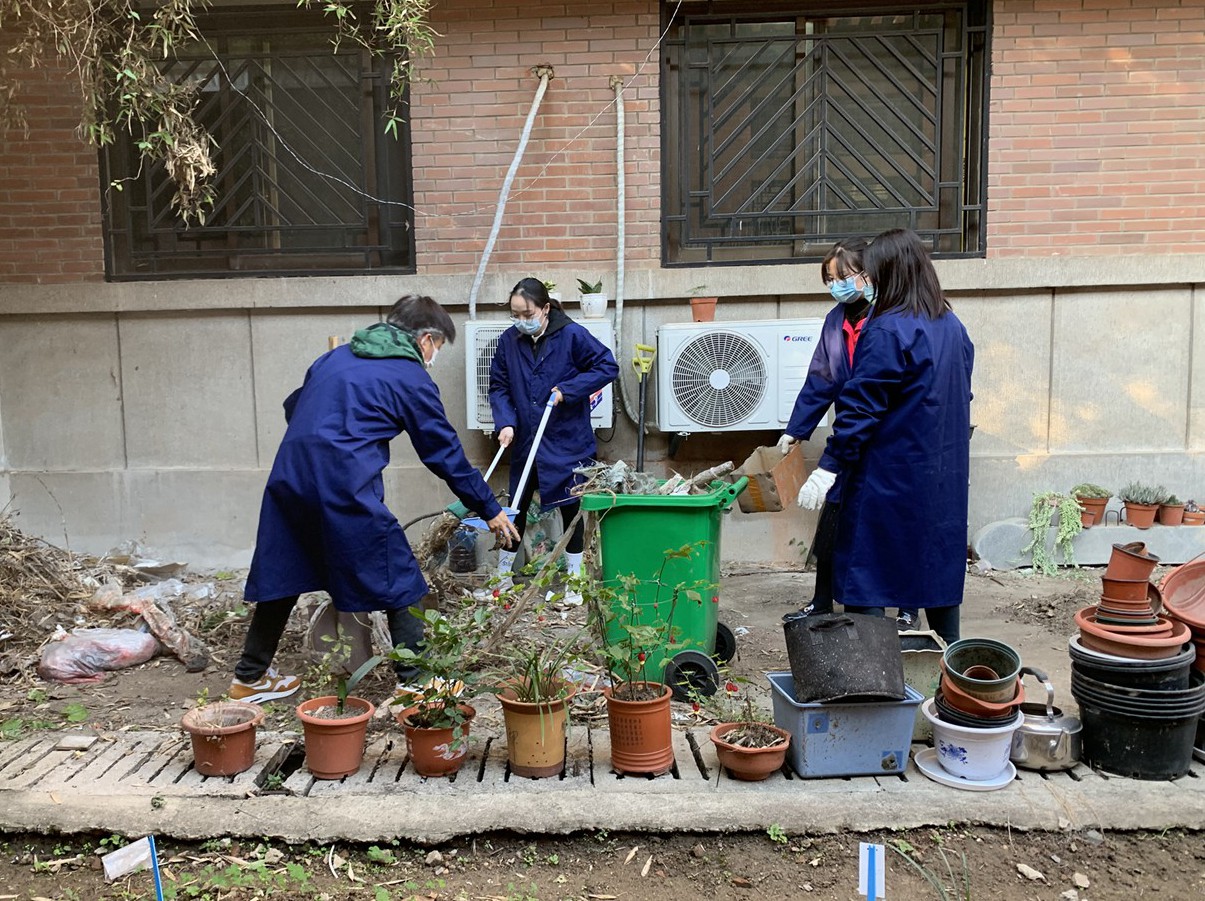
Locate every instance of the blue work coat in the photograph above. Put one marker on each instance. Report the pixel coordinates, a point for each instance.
(324, 524)
(827, 374)
(522, 376)
(901, 439)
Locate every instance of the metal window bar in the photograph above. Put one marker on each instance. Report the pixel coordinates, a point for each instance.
(794, 127)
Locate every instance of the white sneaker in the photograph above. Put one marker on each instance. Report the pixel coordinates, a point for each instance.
(505, 584)
(272, 686)
(566, 598)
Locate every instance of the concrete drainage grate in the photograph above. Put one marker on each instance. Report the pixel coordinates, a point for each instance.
(156, 763)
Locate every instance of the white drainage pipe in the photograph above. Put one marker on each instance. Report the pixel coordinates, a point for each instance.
(545, 74)
(620, 218)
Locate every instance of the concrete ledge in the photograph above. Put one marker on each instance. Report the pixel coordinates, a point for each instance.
(999, 543)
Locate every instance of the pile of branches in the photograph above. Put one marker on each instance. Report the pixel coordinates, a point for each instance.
(620, 478)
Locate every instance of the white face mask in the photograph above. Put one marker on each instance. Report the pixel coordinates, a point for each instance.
(434, 353)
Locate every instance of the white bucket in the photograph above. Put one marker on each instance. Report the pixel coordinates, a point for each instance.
(972, 754)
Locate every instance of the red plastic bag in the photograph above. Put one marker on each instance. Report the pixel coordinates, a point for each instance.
(86, 655)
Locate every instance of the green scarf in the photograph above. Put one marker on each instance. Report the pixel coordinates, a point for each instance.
(385, 340)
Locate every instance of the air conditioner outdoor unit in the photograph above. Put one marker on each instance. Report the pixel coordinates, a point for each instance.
(481, 339)
(732, 376)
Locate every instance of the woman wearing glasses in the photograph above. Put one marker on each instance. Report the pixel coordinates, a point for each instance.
(546, 352)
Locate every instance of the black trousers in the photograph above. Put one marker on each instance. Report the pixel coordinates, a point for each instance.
(823, 546)
(268, 625)
(577, 541)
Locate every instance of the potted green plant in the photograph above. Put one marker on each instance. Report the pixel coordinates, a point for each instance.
(1142, 503)
(593, 299)
(748, 743)
(633, 640)
(336, 725)
(436, 720)
(1047, 509)
(1093, 499)
(1171, 511)
(535, 695)
(702, 309)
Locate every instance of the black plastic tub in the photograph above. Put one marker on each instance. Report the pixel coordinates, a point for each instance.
(1154, 748)
(1169, 674)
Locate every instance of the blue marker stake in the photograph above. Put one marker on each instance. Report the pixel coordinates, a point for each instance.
(155, 868)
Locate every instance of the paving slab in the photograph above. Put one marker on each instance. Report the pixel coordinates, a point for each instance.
(140, 782)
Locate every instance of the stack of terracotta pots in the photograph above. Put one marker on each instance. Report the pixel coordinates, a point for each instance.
(1127, 621)
(1130, 673)
(1184, 601)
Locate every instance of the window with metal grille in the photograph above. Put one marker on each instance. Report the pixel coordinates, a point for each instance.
(308, 181)
(789, 126)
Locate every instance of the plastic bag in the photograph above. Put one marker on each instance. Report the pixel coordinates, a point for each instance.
(151, 603)
(86, 655)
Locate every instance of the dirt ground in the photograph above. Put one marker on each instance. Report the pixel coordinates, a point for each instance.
(1032, 613)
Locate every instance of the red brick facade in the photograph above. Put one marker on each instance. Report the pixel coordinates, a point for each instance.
(1095, 137)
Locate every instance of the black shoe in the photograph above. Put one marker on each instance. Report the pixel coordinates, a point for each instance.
(804, 612)
(906, 621)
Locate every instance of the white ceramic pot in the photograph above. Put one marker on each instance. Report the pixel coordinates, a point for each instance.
(973, 754)
(594, 306)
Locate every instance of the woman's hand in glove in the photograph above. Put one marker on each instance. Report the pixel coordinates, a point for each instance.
(816, 488)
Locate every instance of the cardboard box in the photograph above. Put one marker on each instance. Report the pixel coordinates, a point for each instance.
(774, 480)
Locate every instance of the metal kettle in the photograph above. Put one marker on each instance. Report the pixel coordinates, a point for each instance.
(1047, 739)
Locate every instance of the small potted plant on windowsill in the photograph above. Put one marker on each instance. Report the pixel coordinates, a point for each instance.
(550, 287)
(1142, 503)
(1093, 499)
(593, 299)
(1193, 514)
(1171, 511)
(702, 309)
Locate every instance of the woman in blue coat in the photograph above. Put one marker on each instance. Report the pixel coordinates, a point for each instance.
(901, 442)
(323, 525)
(547, 353)
(830, 369)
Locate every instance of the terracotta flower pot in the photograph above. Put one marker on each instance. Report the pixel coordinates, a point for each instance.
(750, 764)
(1136, 647)
(1184, 594)
(1171, 514)
(1124, 589)
(535, 733)
(1093, 510)
(1193, 518)
(437, 751)
(702, 309)
(334, 746)
(1085, 619)
(1130, 562)
(1141, 516)
(960, 700)
(641, 732)
(223, 736)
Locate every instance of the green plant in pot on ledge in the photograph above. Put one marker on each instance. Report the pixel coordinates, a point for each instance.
(1046, 509)
(1171, 511)
(1093, 499)
(746, 740)
(1142, 503)
(336, 725)
(1193, 514)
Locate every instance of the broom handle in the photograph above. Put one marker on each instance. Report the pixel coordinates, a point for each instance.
(535, 445)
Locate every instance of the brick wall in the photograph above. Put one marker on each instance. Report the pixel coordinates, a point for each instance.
(1097, 127)
(50, 222)
(468, 120)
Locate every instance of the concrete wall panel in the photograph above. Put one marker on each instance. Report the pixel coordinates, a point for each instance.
(188, 391)
(1120, 370)
(1196, 393)
(61, 385)
(1011, 410)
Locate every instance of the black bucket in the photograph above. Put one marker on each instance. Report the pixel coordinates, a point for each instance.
(1141, 739)
(1168, 674)
(844, 656)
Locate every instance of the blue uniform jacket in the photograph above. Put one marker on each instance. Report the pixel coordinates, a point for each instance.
(522, 376)
(324, 524)
(827, 375)
(901, 439)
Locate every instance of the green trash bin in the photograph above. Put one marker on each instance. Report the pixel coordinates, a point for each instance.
(635, 531)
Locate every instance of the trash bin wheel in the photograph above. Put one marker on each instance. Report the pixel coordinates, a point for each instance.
(690, 672)
(725, 644)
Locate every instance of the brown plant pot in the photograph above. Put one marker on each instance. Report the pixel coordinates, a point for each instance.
(702, 309)
(960, 700)
(1171, 514)
(750, 764)
(1141, 516)
(334, 747)
(1124, 589)
(641, 732)
(1192, 518)
(1131, 562)
(1085, 619)
(1136, 647)
(535, 733)
(223, 736)
(1093, 512)
(436, 751)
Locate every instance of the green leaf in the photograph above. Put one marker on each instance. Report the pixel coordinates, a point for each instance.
(75, 713)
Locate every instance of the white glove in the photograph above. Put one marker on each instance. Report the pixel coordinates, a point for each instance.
(816, 489)
(785, 443)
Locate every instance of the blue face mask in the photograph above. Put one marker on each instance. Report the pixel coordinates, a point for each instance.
(527, 326)
(844, 290)
(868, 293)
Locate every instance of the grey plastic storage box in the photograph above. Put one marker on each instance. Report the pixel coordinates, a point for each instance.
(845, 738)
